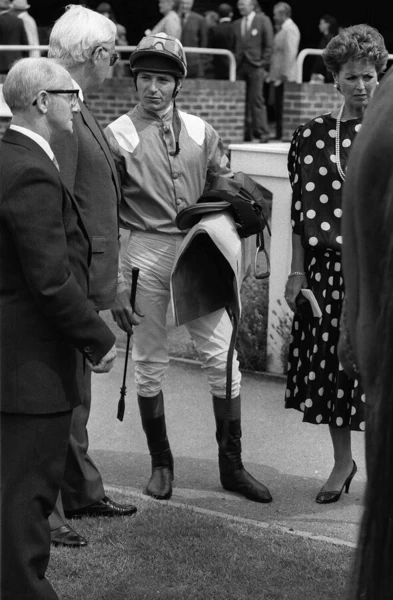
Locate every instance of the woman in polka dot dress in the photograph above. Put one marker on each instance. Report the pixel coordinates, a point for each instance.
(317, 384)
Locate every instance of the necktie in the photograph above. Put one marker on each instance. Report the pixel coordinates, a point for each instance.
(244, 26)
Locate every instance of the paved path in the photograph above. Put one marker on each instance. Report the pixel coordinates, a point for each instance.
(292, 458)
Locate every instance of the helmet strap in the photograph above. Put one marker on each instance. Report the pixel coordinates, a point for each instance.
(176, 124)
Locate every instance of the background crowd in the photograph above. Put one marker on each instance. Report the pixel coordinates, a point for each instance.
(265, 46)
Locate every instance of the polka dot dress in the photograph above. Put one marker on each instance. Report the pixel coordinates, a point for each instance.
(316, 382)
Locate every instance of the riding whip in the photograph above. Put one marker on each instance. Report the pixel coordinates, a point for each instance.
(123, 389)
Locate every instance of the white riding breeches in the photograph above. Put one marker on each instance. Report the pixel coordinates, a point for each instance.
(154, 254)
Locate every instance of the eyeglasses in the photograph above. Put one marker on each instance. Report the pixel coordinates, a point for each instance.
(114, 56)
(73, 95)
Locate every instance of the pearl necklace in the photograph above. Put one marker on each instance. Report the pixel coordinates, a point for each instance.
(338, 161)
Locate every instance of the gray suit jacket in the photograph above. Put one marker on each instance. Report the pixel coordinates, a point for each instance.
(256, 47)
(194, 35)
(89, 172)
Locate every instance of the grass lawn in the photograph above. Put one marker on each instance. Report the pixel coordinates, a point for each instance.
(177, 554)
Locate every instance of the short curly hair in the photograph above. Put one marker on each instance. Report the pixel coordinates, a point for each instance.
(359, 42)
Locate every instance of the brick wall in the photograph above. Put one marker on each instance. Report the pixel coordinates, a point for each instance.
(221, 103)
(303, 101)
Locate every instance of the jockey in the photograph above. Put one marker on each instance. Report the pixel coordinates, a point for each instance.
(166, 159)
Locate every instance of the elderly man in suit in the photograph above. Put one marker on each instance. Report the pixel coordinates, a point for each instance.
(222, 35)
(83, 41)
(193, 35)
(254, 37)
(48, 328)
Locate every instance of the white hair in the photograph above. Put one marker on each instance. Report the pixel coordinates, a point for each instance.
(27, 77)
(77, 33)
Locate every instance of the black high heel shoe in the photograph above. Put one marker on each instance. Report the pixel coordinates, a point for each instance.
(328, 497)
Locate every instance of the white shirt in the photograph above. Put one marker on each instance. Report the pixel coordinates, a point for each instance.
(36, 137)
(246, 22)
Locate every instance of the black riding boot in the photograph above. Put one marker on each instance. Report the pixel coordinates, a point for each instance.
(153, 422)
(233, 475)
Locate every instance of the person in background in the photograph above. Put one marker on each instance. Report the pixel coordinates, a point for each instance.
(368, 268)
(49, 330)
(316, 383)
(222, 35)
(184, 153)
(193, 35)
(107, 11)
(329, 28)
(21, 8)
(83, 41)
(12, 32)
(283, 61)
(170, 22)
(254, 37)
(211, 17)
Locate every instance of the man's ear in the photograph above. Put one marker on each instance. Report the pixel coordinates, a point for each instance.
(95, 54)
(42, 102)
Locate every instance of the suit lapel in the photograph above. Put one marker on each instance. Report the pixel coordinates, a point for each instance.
(12, 136)
(96, 130)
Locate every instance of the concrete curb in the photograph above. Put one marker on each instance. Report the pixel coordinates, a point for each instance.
(132, 492)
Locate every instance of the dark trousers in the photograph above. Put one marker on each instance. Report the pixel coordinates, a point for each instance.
(279, 108)
(33, 453)
(256, 116)
(82, 484)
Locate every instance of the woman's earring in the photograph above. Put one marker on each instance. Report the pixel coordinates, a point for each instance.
(336, 85)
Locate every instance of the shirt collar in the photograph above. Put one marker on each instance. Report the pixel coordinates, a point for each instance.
(150, 115)
(36, 137)
(251, 16)
(76, 86)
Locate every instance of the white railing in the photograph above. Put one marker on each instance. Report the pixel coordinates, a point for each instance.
(309, 52)
(188, 50)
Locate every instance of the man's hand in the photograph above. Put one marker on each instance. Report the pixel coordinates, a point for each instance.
(106, 362)
(122, 311)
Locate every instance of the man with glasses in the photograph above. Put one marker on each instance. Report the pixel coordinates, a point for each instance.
(83, 41)
(48, 328)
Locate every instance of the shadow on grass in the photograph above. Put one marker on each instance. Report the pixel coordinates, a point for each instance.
(175, 554)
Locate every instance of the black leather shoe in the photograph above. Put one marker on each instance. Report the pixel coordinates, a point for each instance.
(103, 508)
(66, 536)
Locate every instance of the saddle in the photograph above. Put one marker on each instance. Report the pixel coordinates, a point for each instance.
(210, 265)
(241, 196)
